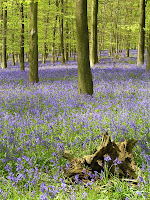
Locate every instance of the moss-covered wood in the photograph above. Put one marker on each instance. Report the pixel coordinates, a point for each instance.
(117, 156)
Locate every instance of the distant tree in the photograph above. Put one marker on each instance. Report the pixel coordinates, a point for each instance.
(33, 40)
(85, 83)
(62, 32)
(93, 52)
(13, 37)
(21, 38)
(141, 42)
(4, 29)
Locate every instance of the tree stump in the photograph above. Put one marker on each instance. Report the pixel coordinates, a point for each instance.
(118, 158)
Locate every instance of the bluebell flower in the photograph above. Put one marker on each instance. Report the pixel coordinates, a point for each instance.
(139, 193)
(141, 179)
(11, 177)
(43, 187)
(84, 194)
(43, 197)
(76, 178)
(116, 161)
(107, 158)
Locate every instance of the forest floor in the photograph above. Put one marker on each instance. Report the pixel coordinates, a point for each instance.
(39, 121)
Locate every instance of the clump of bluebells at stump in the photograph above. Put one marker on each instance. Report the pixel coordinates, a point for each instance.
(40, 121)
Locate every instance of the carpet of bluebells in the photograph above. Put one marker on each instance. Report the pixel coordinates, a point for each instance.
(37, 122)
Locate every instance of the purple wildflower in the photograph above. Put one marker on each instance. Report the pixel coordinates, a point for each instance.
(77, 178)
(117, 162)
(107, 158)
(43, 197)
(139, 193)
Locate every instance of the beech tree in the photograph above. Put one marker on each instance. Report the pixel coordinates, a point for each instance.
(62, 32)
(93, 52)
(33, 39)
(141, 42)
(21, 38)
(4, 28)
(148, 52)
(85, 83)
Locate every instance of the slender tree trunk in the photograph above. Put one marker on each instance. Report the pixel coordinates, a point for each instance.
(33, 40)
(67, 33)
(85, 83)
(67, 44)
(127, 52)
(110, 47)
(61, 34)
(13, 58)
(117, 44)
(13, 36)
(93, 55)
(4, 30)
(22, 68)
(53, 47)
(44, 55)
(16, 57)
(148, 53)
(141, 42)
(54, 31)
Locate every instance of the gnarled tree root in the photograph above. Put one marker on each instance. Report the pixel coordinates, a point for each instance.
(117, 156)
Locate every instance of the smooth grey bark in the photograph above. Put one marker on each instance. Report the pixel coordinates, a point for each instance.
(4, 32)
(85, 83)
(21, 56)
(33, 40)
(93, 52)
(141, 42)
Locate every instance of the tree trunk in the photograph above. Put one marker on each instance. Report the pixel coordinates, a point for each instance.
(13, 36)
(44, 53)
(110, 47)
(93, 56)
(33, 40)
(117, 44)
(67, 44)
(141, 42)
(4, 29)
(13, 58)
(61, 34)
(148, 53)
(53, 43)
(85, 83)
(45, 44)
(127, 52)
(16, 57)
(21, 38)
